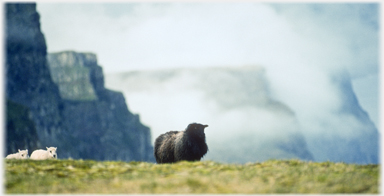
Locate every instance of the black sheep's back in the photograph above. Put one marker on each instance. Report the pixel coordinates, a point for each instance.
(165, 147)
(190, 148)
(188, 145)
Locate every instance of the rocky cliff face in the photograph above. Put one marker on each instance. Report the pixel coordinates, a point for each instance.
(20, 129)
(28, 81)
(65, 104)
(97, 116)
(72, 74)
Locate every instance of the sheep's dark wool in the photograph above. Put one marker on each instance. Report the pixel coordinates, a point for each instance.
(188, 145)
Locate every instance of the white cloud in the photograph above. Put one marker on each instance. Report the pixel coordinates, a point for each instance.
(203, 34)
(301, 46)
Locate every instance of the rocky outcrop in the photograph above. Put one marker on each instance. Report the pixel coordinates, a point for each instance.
(64, 105)
(97, 116)
(28, 81)
(74, 76)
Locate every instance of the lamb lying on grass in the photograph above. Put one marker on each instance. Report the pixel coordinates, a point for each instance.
(22, 154)
(50, 153)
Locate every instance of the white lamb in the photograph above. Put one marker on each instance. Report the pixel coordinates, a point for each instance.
(50, 153)
(22, 154)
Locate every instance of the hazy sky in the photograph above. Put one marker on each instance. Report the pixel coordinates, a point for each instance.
(281, 37)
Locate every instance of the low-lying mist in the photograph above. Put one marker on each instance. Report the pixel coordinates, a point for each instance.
(245, 122)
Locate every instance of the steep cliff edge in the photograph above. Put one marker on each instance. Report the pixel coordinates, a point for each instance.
(97, 116)
(28, 81)
(350, 135)
(63, 105)
(72, 74)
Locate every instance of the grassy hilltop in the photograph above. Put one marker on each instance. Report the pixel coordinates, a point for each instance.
(274, 176)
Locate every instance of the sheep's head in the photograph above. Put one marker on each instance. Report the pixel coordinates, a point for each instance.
(52, 152)
(23, 154)
(196, 130)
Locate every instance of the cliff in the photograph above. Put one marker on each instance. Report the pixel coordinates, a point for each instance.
(28, 81)
(72, 74)
(65, 104)
(350, 136)
(97, 116)
(20, 129)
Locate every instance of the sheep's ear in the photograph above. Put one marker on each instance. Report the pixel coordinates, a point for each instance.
(19, 150)
(205, 126)
(47, 148)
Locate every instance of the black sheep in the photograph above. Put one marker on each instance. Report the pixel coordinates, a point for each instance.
(186, 145)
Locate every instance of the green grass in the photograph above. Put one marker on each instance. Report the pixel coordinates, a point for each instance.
(274, 176)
